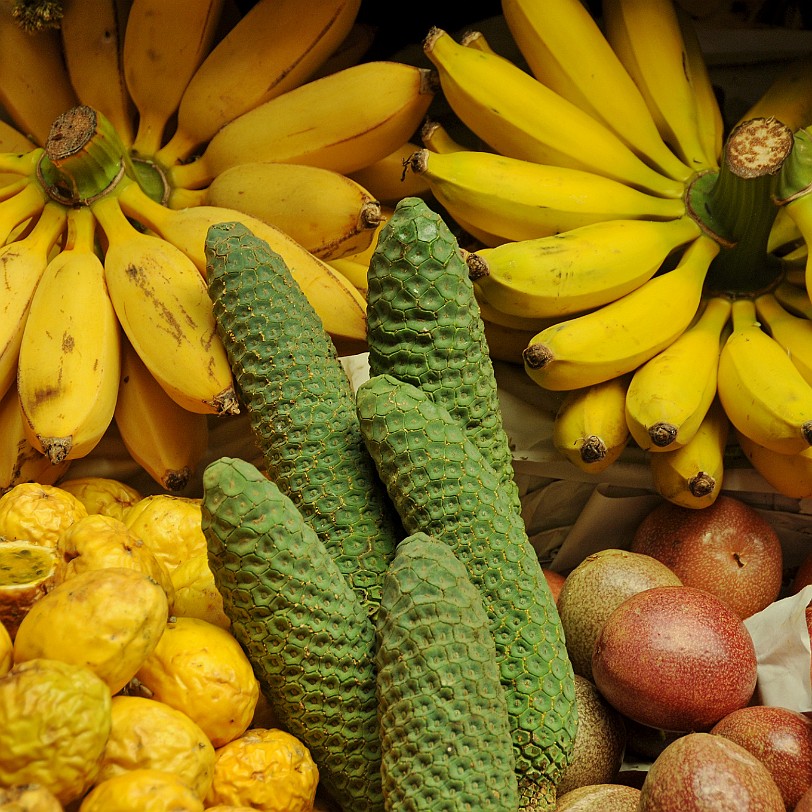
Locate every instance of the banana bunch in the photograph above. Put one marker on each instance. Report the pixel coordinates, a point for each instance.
(135, 126)
(629, 248)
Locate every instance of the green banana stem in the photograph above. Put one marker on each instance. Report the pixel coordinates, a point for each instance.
(795, 178)
(740, 207)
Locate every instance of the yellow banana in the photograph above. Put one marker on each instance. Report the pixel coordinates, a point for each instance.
(789, 474)
(590, 428)
(518, 116)
(340, 306)
(164, 43)
(505, 343)
(647, 38)
(19, 460)
(578, 269)
(618, 337)
(163, 306)
(784, 233)
(793, 333)
(26, 199)
(310, 125)
(92, 41)
(22, 263)
(800, 211)
(566, 50)
(69, 364)
(271, 50)
(356, 266)
(764, 394)
(387, 178)
(692, 475)
(12, 140)
(35, 88)
(489, 311)
(166, 440)
(521, 200)
(793, 298)
(670, 394)
(789, 97)
(324, 211)
(708, 112)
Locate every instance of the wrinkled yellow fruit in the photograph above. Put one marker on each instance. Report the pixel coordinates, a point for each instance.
(196, 594)
(201, 670)
(265, 769)
(169, 526)
(54, 723)
(148, 734)
(38, 513)
(98, 541)
(142, 790)
(104, 495)
(227, 808)
(6, 651)
(108, 620)
(27, 572)
(28, 798)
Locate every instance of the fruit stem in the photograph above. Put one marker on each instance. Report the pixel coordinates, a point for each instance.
(741, 200)
(795, 178)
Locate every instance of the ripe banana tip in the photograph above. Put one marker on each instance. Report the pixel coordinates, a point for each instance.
(593, 450)
(177, 480)
(702, 484)
(56, 448)
(371, 215)
(225, 403)
(537, 356)
(806, 429)
(477, 267)
(662, 434)
(418, 161)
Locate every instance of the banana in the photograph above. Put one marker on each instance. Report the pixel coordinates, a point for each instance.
(163, 306)
(166, 440)
(793, 333)
(12, 140)
(92, 41)
(520, 200)
(19, 460)
(164, 43)
(489, 311)
(647, 37)
(26, 199)
(579, 269)
(340, 306)
(799, 209)
(670, 394)
(505, 343)
(22, 263)
(271, 50)
(69, 363)
(620, 336)
(566, 51)
(793, 298)
(387, 178)
(35, 88)
(518, 116)
(789, 97)
(590, 428)
(762, 391)
(784, 234)
(356, 266)
(692, 475)
(310, 125)
(789, 474)
(324, 211)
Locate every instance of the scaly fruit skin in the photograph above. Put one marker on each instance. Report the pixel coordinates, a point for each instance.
(443, 486)
(519, 199)
(762, 391)
(692, 475)
(22, 263)
(792, 332)
(271, 49)
(567, 51)
(301, 405)
(517, 116)
(19, 460)
(339, 305)
(670, 394)
(166, 440)
(70, 361)
(789, 474)
(579, 269)
(424, 327)
(590, 428)
(416, 652)
(92, 37)
(163, 307)
(35, 88)
(309, 124)
(620, 336)
(324, 211)
(164, 43)
(302, 626)
(647, 38)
